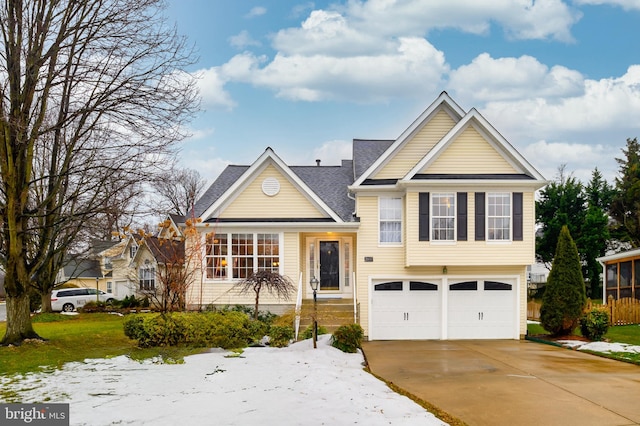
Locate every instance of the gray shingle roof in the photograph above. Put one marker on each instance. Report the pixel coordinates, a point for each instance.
(82, 268)
(329, 183)
(366, 152)
(227, 178)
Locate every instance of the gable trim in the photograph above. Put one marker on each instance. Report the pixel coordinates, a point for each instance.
(444, 102)
(269, 156)
(492, 136)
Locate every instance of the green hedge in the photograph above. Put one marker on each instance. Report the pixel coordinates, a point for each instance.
(226, 330)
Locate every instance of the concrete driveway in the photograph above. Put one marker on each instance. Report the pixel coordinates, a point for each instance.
(510, 382)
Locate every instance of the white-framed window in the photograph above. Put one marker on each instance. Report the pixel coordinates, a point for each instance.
(238, 255)
(109, 287)
(499, 216)
(390, 219)
(443, 216)
(147, 278)
(215, 256)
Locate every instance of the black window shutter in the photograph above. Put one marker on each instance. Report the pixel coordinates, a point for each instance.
(517, 216)
(462, 216)
(480, 225)
(423, 216)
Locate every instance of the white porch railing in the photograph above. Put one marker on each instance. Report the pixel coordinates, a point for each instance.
(296, 326)
(355, 297)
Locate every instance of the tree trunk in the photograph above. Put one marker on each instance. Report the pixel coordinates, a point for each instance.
(18, 320)
(46, 302)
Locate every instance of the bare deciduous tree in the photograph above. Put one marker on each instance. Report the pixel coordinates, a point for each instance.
(178, 190)
(89, 89)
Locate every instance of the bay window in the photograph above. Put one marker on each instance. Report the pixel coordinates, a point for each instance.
(238, 255)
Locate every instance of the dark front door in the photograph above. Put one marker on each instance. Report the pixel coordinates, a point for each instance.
(329, 265)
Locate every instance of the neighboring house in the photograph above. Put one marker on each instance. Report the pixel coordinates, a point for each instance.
(621, 275)
(153, 258)
(81, 272)
(116, 262)
(431, 233)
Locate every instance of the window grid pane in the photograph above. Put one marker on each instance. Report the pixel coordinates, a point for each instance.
(268, 252)
(242, 255)
(499, 216)
(443, 217)
(390, 212)
(216, 255)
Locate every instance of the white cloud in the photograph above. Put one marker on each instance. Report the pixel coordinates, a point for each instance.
(580, 159)
(489, 79)
(333, 152)
(256, 11)
(414, 68)
(625, 4)
(604, 105)
(522, 19)
(328, 33)
(242, 40)
(208, 166)
(211, 87)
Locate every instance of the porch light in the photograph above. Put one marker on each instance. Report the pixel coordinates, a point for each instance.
(314, 286)
(444, 270)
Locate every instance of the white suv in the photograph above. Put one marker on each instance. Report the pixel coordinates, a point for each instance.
(68, 299)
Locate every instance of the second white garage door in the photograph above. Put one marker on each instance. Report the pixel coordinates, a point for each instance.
(481, 309)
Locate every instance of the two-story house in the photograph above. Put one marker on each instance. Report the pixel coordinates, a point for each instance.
(430, 234)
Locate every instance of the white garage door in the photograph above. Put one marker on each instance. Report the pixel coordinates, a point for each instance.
(481, 309)
(406, 309)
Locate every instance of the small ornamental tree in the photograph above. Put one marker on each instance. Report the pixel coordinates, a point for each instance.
(274, 283)
(564, 298)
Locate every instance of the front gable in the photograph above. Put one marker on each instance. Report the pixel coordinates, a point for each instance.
(275, 194)
(474, 149)
(269, 191)
(469, 153)
(418, 139)
(416, 146)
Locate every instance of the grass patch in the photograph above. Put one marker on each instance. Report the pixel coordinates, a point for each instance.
(76, 338)
(624, 334)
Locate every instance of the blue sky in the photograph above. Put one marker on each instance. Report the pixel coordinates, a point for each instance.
(560, 79)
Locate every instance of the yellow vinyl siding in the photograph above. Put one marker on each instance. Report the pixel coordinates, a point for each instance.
(417, 147)
(469, 252)
(386, 260)
(469, 153)
(290, 259)
(288, 203)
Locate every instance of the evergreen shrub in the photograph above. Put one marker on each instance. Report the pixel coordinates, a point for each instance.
(280, 335)
(348, 338)
(564, 298)
(595, 323)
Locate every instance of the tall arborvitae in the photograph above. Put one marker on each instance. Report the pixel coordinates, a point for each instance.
(564, 297)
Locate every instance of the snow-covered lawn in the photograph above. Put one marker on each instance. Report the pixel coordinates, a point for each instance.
(266, 386)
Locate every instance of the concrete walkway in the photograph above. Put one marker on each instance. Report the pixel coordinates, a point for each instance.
(510, 382)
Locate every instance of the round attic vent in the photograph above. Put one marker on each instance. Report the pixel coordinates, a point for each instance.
(270, 186)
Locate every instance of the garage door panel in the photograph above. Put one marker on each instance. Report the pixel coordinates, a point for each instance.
(485, 313)
(413, 313)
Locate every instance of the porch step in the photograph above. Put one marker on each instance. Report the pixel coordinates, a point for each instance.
(332, 313)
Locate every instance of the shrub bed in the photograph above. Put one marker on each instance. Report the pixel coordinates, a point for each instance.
(226, 330)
